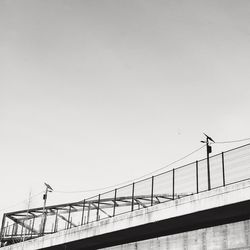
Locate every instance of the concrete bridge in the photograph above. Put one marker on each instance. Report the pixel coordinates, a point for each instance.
(216, 218)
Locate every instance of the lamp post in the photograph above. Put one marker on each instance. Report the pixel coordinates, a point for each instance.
(209, 150)
(45, 195)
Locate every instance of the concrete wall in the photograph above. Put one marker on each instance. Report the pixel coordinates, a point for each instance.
(229, 236)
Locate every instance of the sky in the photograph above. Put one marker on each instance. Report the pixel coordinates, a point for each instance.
(95, 93)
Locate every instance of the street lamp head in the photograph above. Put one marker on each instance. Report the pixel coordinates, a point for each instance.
(209, 138)
(50, 189)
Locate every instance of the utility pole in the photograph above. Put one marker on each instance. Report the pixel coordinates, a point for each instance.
(209, 150)
(45, 195)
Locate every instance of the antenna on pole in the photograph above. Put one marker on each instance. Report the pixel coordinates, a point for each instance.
(209, 150)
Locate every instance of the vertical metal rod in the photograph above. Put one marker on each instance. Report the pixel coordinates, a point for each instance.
(44, 210)
(133, 194)
(16, 229)
(152, 192)
(55, 227)
(83, 207)
(197, 177)
(13, 228)
(22, 229)
(88, 212)
(29, 229)
(44, 222)
(208, 166)
(114, 202)
(2, 227)
(173, 182)
(98, 208)
(32, 227)
(8, 229)
(223, 168)
(68, 222)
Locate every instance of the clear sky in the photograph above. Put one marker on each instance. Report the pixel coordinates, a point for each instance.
(94, 93)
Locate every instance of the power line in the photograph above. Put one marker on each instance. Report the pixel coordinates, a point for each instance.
(222, 142)
(184, 157)
(132, 180)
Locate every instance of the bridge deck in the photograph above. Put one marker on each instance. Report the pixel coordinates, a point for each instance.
(219, 206)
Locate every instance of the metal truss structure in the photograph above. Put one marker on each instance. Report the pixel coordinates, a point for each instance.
(35, 222)
(199, 176)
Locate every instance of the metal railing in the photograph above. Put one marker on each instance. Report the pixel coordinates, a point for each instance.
(225, 168)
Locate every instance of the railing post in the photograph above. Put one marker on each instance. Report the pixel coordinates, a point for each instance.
(55, 227)
(44, 221)
(208, 167)
(197, 177)
(152, 192)
(7, 229)
(13, 229)
(133, 194)
(223, 168)
(68, 221)
(114, 202)
(16, 229)
(32, 227)
(22, 230)
(89, 204)
(2, 228)
(98, 207)
(173, 182)
(83, 207)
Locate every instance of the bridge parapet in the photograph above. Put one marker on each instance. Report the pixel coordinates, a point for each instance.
(218, 206)
(186, 181)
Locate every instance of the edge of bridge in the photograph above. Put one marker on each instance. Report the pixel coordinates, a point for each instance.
(221, 197)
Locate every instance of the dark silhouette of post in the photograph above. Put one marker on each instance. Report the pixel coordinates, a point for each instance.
(209, 150)
(48, 189)
(208, 164)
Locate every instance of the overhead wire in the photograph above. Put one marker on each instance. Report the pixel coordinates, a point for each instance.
(222, 142)
(150, 173)
(132, 180)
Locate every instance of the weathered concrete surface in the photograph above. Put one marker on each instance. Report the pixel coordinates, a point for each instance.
(169, 211)
(228, 236)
